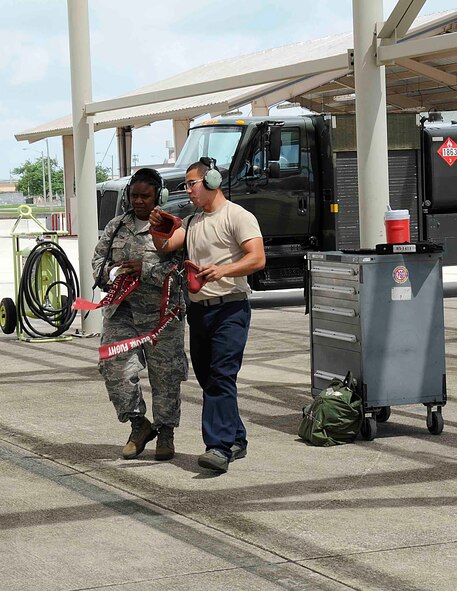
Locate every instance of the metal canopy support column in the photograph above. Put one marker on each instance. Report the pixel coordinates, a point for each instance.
(371, 121)
(124, 150)
(259, 108)
(180, 130)
(83, 130)
(71, 203)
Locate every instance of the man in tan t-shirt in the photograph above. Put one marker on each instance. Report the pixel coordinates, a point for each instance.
(225, 242)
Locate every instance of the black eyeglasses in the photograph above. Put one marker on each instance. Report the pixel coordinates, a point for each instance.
(189, 185)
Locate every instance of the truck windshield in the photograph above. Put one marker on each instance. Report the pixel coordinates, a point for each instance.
(216, 141)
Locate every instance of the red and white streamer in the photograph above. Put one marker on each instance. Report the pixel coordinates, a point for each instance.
(166, 316)
(122, 286)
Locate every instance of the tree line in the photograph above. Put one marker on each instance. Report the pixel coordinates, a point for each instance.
(30, 177)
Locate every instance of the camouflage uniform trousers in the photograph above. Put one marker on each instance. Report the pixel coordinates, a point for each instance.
(166, 364)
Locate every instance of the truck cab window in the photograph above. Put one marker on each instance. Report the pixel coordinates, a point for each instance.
(216, 142)
(290, 150)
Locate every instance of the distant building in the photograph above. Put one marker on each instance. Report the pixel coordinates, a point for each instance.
(7, 186)
(9, 195)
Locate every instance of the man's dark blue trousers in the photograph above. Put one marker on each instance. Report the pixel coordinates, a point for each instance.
(218, 336)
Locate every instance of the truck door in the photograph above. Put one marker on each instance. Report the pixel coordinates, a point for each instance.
(279, 200)
(278, 194)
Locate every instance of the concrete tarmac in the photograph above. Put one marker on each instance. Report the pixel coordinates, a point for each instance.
(373, 515)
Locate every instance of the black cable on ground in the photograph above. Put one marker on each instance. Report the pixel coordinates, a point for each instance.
(30, 296)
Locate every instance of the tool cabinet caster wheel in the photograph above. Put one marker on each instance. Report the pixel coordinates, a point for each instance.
(435, 423)
(369, 428)
(383, 415)
(8, 316)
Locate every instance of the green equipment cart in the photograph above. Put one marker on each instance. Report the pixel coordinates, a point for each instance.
(45, 283)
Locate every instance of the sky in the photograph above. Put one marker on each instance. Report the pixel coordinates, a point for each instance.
(134, 44)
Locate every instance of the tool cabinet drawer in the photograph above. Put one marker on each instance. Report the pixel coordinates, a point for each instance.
(335, 309)
(336, 271)
(334, 288)
(336, 334)
(330, 362)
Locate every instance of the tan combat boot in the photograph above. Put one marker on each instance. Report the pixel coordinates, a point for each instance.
(165, 448)
(142, 432)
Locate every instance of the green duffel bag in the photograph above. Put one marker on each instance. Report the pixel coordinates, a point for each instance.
(335, 415)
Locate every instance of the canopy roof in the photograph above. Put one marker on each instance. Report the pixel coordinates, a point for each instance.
(420, 76)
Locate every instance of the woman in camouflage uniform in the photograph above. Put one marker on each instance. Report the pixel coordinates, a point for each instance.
(126, 242)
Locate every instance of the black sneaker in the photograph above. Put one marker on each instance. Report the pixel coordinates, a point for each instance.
(238, 452)
(214, 459)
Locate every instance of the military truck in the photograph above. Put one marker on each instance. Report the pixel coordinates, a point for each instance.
(294, 174)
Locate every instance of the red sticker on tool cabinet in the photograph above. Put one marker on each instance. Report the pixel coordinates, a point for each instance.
(400, 274)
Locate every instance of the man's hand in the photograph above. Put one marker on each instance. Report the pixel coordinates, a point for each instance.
(175, 242)
(212, 272)
(155, 219)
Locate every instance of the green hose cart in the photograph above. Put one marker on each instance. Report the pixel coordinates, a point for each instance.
(45, 284)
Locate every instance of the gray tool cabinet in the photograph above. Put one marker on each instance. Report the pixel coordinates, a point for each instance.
(379, 316)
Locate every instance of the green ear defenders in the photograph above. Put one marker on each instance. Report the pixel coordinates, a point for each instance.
(213, 178)
(153, 178)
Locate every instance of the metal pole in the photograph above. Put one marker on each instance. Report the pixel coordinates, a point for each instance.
(49, 173)
(44, 176)
(371, 120)
(83, 132)
(69, 184)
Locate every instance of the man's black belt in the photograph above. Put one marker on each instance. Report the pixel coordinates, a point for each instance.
(230, 297)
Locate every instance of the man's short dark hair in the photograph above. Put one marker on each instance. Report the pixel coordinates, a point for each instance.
(203, 165)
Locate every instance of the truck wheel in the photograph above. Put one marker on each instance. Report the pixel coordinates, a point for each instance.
(383, 415)
(8, 316)
(435, 423)
(369, 428)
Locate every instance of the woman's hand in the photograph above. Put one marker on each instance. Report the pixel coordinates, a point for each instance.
(133, 268)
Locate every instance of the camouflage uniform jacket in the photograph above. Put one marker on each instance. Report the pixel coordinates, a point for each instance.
(129, 244)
